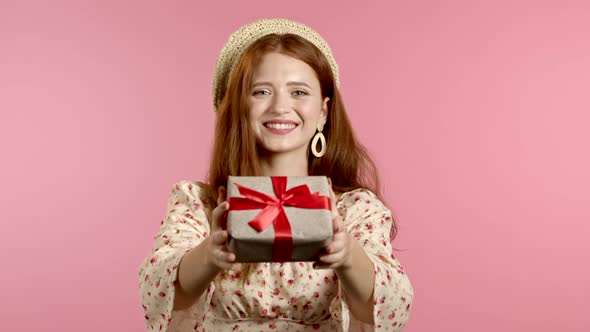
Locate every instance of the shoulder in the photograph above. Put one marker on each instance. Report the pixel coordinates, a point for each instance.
(188, 188)
(357, 197)
(191, 191)
(360, 202)
(186, 205)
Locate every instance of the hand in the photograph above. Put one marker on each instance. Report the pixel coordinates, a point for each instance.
(218, 253)
(339, 252)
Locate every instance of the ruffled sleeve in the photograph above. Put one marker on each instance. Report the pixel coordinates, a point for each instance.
(183, 228)
(369, 221)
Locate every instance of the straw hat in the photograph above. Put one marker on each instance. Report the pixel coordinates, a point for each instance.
(245, 36)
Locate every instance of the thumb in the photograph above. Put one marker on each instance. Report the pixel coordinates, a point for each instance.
(336, 224)
(332, 198)
(221, 194)
(219, 216)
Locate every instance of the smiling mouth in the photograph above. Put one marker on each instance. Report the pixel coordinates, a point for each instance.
(282, 126)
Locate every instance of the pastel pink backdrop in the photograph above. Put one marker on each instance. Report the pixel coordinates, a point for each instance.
(476, 112)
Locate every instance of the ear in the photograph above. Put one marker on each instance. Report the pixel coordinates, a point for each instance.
(324, 111)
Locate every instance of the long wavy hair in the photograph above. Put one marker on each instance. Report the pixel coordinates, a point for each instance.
(346, 162)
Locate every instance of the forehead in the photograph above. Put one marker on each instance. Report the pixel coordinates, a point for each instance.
(277, 66)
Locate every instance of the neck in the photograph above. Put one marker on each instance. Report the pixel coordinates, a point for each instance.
(283, 164)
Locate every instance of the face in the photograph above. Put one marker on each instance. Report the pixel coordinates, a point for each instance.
(286, 105)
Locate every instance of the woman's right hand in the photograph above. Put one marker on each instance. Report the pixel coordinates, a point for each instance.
(218, 254)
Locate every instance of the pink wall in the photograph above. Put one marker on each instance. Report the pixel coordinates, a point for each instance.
(477, 114)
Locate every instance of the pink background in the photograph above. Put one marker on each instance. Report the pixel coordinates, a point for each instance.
(477, 113)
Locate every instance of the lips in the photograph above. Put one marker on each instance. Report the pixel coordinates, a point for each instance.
(280, 127)
(281, 124)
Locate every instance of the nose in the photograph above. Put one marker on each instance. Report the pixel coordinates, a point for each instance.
(280, 103)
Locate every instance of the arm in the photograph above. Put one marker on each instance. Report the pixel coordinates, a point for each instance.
(201, 265)
(194, 276)
(368, 223)
(357, 282)
(355, 270)
(184, 227)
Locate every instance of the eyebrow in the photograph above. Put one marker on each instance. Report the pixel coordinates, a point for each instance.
(290, 83)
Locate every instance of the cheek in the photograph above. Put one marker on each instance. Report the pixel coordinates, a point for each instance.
(310, 114)
(253, 121)
(310, 109)
(255, 110)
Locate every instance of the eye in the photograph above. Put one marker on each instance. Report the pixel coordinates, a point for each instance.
(300, 92)
(259, 92)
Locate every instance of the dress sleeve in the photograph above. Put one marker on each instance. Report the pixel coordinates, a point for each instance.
(183, 228)
(369, 221)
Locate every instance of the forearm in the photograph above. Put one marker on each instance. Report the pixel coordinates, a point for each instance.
(357, 283)
(195, 274)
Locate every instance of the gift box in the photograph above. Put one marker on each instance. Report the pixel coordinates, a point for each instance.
(278, 218)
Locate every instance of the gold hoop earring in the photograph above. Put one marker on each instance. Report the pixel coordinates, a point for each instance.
(319, 136)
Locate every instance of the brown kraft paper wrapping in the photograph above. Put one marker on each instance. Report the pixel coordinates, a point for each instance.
(311, 229)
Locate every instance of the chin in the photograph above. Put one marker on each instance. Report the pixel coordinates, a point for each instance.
(276, 149)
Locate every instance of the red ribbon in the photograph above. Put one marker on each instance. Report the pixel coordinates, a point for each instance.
(273, 212)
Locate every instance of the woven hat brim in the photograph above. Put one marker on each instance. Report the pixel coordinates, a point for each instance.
(246, 35)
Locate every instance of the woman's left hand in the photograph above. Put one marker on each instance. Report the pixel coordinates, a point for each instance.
(338, 254)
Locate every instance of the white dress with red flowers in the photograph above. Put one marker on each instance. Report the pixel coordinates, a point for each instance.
(276, 296)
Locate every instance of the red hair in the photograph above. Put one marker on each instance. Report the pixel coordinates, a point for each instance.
(346, 161)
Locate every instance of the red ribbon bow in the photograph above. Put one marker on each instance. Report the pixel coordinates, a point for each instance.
(273, 212)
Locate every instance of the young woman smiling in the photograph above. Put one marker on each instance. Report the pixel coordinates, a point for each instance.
(276, 96)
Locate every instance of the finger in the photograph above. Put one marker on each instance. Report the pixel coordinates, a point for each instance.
(230, 265)
(219, 238)
(335, 225)
(332, 258)
(219, 214)
(223, 256)
(332, 195)
(230, 257)
(336, 246)
(338, 225)
(322, 266)
(221, 194)
(224, 265)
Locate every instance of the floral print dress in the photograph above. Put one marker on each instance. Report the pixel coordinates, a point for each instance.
(276, 296)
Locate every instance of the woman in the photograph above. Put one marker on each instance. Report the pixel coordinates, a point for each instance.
(276, 94)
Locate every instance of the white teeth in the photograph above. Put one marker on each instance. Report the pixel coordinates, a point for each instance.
(280, 125)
